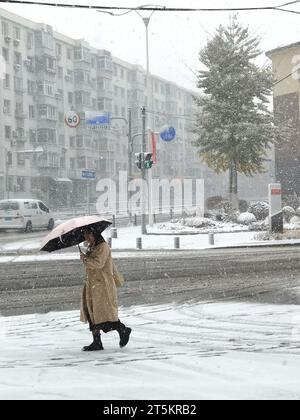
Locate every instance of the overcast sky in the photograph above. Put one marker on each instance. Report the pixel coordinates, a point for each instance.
(175, 38)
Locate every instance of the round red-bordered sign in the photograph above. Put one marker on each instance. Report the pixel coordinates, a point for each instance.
(72, 119)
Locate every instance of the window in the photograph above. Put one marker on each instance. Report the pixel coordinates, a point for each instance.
(46, 135)
(47, 40)
(62, 162)
(30, 206)
(58, 50)
(6, 106)
(7, 132)
(72, 141)
(81, 162)
(70, 97)
(72, 163)
(17, 58)
(46, 88)
(104, 63)
(43, 207)
(6, 81)
(47, 111)
(21, 162)
(32, 136)
(81, 53)
(18, 84)
(29, 40)
(9, 158)
(5, 54)
(31, 87)
(104, 104)
(69, 53)
(17, 33)
(50, 64)
(31, 112)
(88, 142)
(103, 83)
(79, 142)
(5, 29)
(83, 98)
(19, 108)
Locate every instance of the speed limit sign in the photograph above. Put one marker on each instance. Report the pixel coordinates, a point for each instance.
(72, 119)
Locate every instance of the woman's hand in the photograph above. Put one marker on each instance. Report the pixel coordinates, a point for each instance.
(82, 257)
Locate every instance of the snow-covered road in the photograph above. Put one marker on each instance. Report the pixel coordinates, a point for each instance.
(219, 350)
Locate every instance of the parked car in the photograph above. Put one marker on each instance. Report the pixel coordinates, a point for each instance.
(23, 214)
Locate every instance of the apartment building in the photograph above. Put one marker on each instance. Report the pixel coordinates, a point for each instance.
(286, 95)
(46, 74)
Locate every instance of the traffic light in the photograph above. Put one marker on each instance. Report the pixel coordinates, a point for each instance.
(139, 160)
(148, 160)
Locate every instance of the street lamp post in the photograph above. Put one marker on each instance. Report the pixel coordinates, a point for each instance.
(146, 21)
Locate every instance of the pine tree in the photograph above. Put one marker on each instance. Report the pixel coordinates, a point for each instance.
(234, 125)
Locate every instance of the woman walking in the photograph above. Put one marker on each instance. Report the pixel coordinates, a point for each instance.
(99, 305)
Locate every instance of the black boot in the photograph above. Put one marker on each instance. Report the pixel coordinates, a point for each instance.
(124, 334)
(96, 344)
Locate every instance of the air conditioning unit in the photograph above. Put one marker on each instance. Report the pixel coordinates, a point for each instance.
(17, 67)
(7, 38)
(68, 78)
(17, 42)
(27, 63)
(13, 143)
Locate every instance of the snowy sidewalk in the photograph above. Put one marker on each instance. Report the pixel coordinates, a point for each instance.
(203, 351)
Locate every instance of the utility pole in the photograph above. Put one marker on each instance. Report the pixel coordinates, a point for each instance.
(144, 223)
(130, 151)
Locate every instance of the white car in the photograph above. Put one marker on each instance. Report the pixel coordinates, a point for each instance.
(25, 215)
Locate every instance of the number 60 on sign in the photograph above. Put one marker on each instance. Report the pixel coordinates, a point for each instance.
(72, 119)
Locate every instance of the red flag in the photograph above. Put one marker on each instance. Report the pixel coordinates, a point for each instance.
(153, 139)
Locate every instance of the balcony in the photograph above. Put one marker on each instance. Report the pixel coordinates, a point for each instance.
(20, 114)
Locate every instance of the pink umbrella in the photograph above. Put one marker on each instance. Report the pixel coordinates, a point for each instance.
(70, 233)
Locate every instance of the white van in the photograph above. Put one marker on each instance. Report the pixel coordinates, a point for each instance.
(25, 215)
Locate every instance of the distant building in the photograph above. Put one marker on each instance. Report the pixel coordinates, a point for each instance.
(46, 74)
(285, 61)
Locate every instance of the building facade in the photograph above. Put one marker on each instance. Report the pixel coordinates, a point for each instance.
(286, 68)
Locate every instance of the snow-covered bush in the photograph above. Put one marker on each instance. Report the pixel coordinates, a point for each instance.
(291, 201)
(246, 218)
(288, 213)
(198, 222)
(298, 212)
(213, 203)
(295, 220)
(260, 210)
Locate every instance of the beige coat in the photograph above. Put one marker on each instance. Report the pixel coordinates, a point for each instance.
(99, 297)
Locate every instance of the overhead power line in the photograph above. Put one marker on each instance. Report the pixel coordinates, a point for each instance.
(154, 8)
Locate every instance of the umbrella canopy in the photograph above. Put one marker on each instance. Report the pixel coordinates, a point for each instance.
(70, 233)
